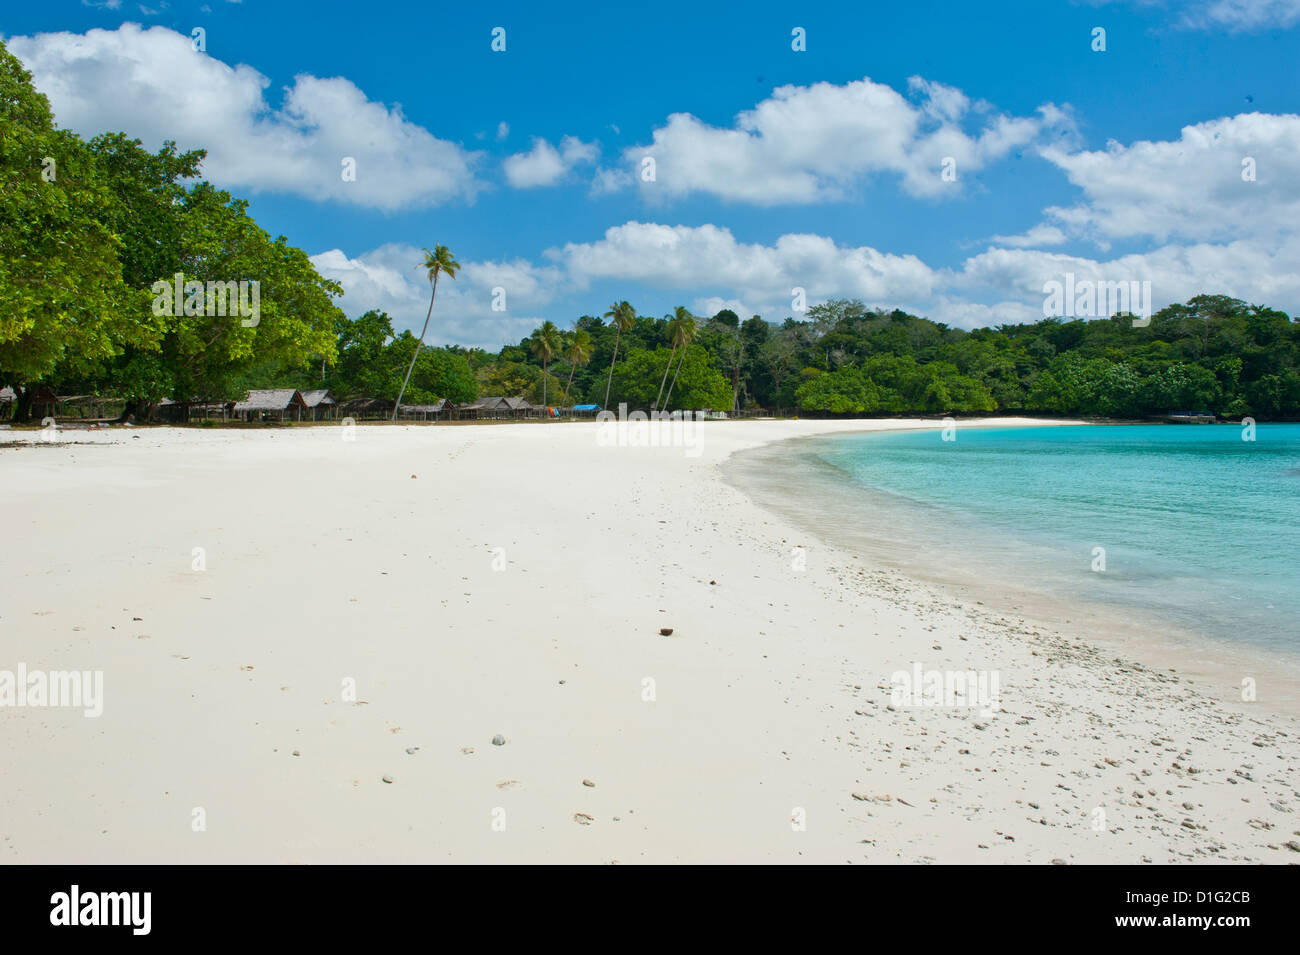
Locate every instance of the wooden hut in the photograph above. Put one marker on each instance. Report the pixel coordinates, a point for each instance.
(366, 408)
(271, 405)
(498, 407)
(321, 404)
(442, 408)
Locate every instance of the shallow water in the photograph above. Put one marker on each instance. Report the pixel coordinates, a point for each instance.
(1190, 524)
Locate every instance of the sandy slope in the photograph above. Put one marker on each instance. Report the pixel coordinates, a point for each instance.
(326, 561)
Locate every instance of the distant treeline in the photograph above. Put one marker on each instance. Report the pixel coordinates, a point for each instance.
(88, 228)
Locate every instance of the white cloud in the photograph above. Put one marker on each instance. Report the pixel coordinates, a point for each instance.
(815, 143)
(703, 258)
(1041, 234)
(1244, 15)
(1255, 271)
(1191, 187)
(153, 85)
(544, 165)
(503, 130)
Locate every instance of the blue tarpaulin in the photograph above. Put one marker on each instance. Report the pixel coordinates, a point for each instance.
(586, 407)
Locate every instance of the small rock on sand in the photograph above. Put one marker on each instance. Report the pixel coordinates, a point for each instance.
(498, 740)
(588, 782)
(665, 631)
(388, 779)
(582, 819)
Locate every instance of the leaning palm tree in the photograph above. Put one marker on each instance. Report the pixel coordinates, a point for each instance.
(680, 313)
(685, 334)
(435, 262)
(545, 344)
(623, 317)
(577, 353)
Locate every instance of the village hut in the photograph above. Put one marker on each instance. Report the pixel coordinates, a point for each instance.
(442, 408)
(366, 408)
(271, 405)
(320, 403)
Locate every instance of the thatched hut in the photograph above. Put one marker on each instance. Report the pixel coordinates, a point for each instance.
(366, 408)
(272, 404)
(442, 408)
(499, 407)
(320, 403)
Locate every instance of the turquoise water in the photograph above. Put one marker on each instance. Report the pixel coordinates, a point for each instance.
(1196, 524)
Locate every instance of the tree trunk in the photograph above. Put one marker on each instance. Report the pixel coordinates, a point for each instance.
(610, 380)
(569, 384)
(669, 397)
(671, 354)
(418, 345)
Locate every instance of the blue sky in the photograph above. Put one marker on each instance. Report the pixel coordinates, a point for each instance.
(819, 169)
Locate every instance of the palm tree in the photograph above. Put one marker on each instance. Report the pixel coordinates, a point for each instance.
(674, 325)
(623, 318)
(435, 262)
(685, 334)
(545, 344)
(577, 353)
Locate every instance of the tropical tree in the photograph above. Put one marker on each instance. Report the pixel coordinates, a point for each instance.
(63, 303)
(683, 335)
(622, 316)
(545, 345)
(436, 262)
(700, 385)
(674, 336)
(577, 353)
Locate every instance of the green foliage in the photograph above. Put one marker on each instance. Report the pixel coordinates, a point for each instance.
(699, 385)
(63, 303)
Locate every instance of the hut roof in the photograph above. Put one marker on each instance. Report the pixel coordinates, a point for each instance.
(517, 404)
(439, 406)
(360, 404)
(318, 396)
(274, 399)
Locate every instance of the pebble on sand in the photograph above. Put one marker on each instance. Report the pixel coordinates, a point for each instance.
(388, 779)
(498, 740)
(588, 782)
(665, 631)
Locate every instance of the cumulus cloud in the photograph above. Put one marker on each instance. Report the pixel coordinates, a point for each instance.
(709, 257)
(1244, 15)
(153, 85)
(1197, 187)
(1248, 269)
(544, 165)
(816, 143)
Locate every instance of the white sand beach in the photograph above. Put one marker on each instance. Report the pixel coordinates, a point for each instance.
(471, 581)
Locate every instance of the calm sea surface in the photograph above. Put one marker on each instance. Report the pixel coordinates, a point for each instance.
(1190, 523)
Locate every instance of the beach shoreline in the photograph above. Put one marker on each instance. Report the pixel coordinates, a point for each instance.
(1140, 635)
(470, 582)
